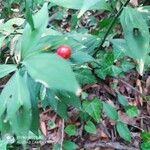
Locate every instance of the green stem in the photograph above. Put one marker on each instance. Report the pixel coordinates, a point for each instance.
(110, 27)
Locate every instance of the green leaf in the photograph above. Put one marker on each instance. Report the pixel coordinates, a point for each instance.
(34, 91)
(123, 131)
(110, 111)
(3, 145)
(93, 108)
(84, 5)
(71, 130)
(132, 111)
(126, 66)
(69, 145)
(145, 146)
(90, 127)
(2, 38)
(28, 14)
(56, 147)
(107, 66)
(84, 43)
(87, 4)
(119, 47)
(145, 136)
(89, 42)
(52, 71)
(8, 28)
(15, 99)
(31, 38)
(57, 105)
(81, 57)
(136, 35)
(69, 99)
(6, 69)
(85, 76)
(122, 100)
(147, 61)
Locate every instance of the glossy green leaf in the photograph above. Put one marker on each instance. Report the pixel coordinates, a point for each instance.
(82, 4)
(88, 4)
(31, 38)
(3, 145)
(28, 14)
(85, 76)
(122, 100)
(62, 110)
(123, 131)
(56, 147)
(7, 27)
(82, 44)
(110, 111)
(81, 57)
(132, 111)
(126, 66)
(145, 136)
(6, 69)
(2, 38)
(71, 130)
(119, 47)
(55, 103)
(136, 34)
(93, 108)
(89, 42)
(145, 146)
(15, 99)
(90, 127)
(52, 71)
(34, 91)
(69, 99)
(108, 68)
(69, 145)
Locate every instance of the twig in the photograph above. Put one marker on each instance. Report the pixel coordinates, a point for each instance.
(114, 145)
(62, 134)
(2, 86)
(133, 88)
(110, 27)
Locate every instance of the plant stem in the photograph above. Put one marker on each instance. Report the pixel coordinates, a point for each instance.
(110, 27)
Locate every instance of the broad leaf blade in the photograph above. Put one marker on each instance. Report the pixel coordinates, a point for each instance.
(56, 104)
(110, 111)
(15, 98)
(81, 57)
(93, 108)
(34, 91)
(136, 33)
(122, 100)
(88, 4)
(31, 38)
(79, 4)
(69, 145)
(52, 71)
(132, 111)
(29, 15)
(90, 127)
(69, 99)
(6, 69)
(123, 131)
(71, 129)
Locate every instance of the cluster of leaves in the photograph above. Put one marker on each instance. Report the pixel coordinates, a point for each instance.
(37, 74)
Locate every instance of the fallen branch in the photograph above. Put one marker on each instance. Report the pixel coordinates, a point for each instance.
(115, 145)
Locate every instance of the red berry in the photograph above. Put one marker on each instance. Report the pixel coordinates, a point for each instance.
(64, 51)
